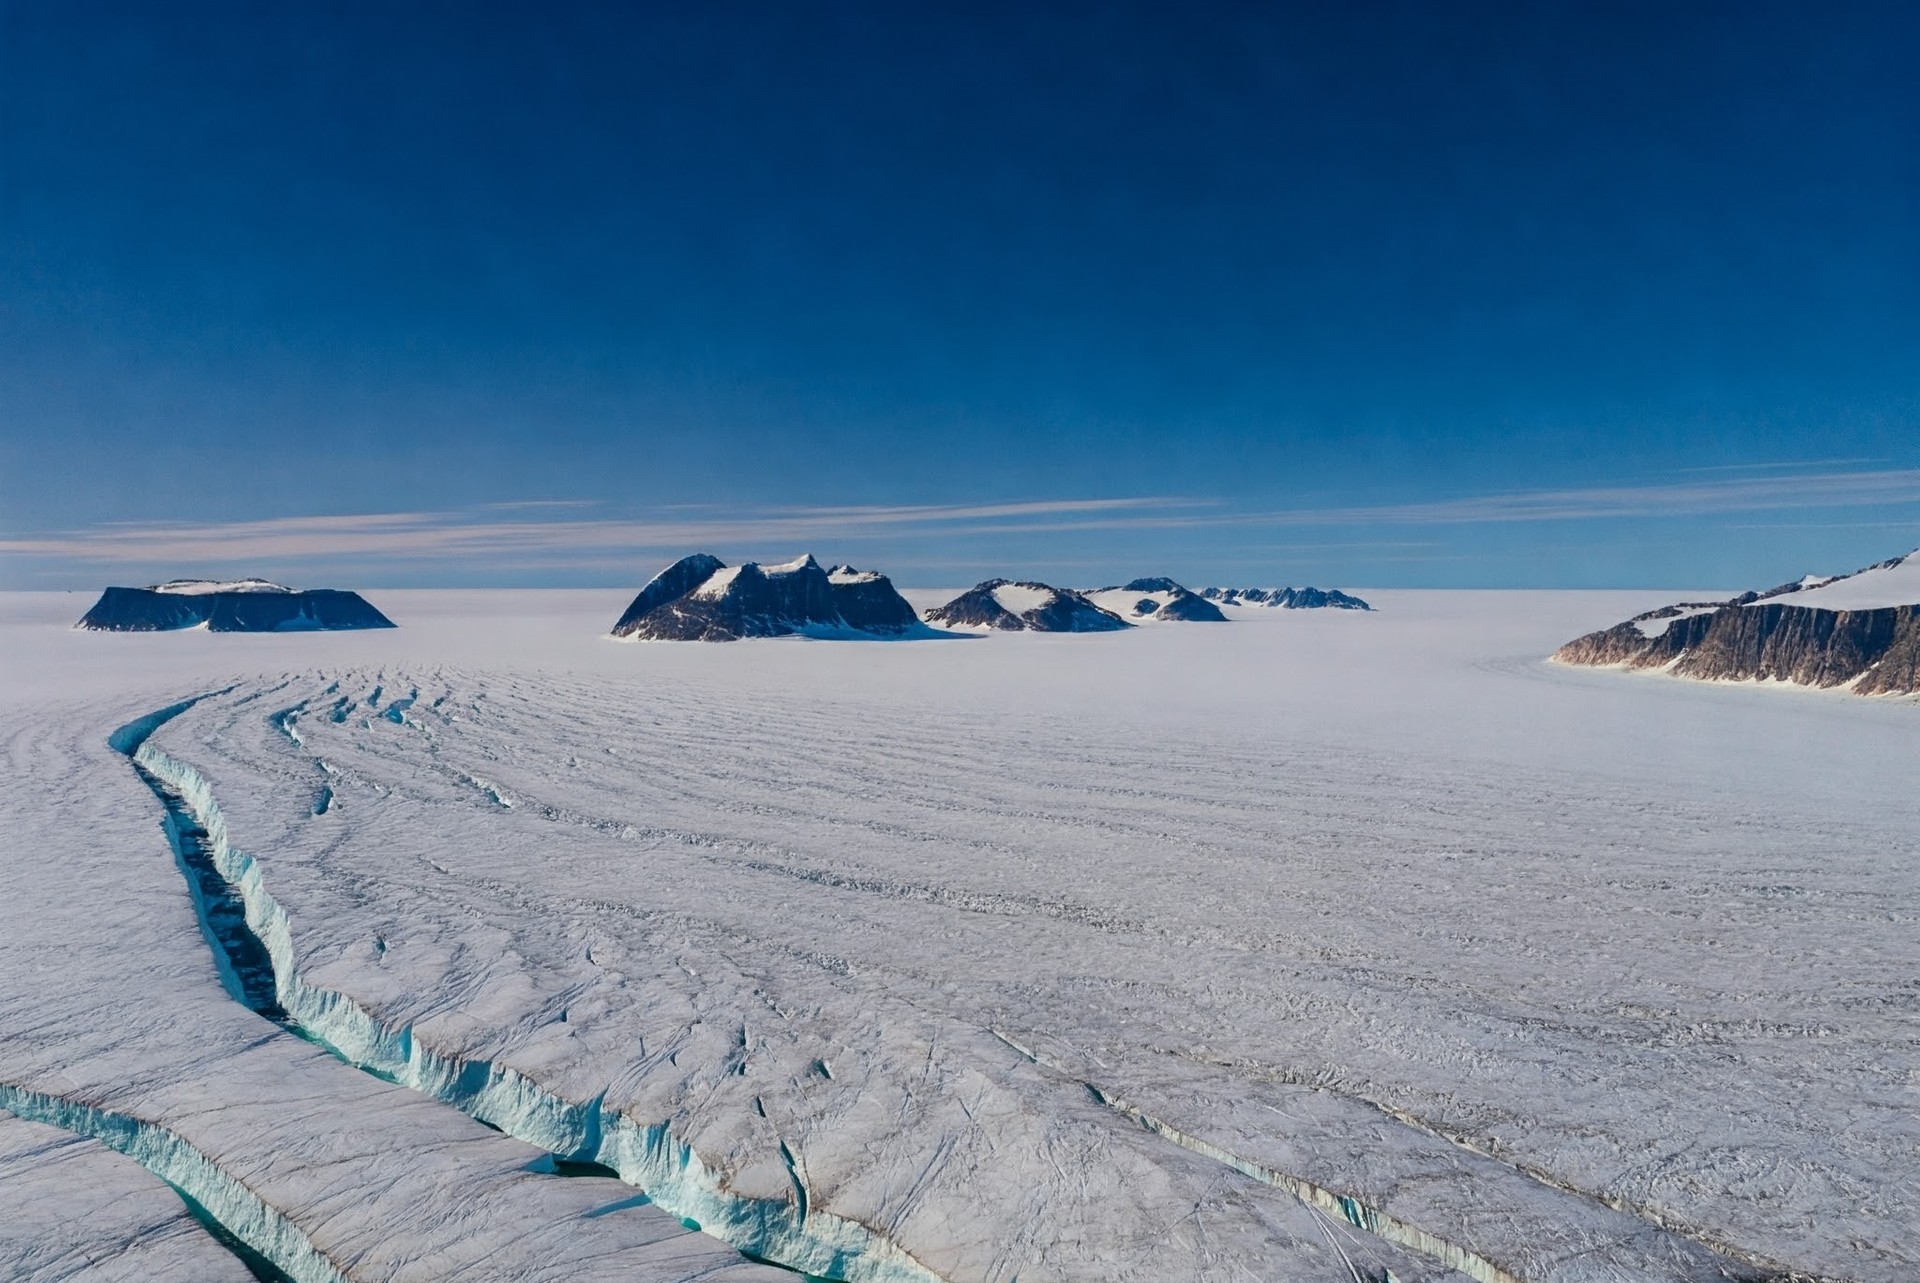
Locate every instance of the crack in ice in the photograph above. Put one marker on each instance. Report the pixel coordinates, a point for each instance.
(1317, 1197)
(226, 1201)
(647, 1156)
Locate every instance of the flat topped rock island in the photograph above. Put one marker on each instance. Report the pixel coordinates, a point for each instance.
(230, 606)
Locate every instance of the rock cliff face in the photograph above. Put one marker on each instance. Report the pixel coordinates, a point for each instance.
(671, 584)
(1158, 598)
(701, 598)
(1851, 629)
(868, 602)
(244, 606)
(1016, 606)
(1286, 598)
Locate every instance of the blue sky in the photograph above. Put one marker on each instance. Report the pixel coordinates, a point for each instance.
(1371, 294)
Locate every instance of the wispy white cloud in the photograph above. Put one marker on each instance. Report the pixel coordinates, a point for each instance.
(473, 535)
(499, 532)
(1794, 465)
(1678, 499)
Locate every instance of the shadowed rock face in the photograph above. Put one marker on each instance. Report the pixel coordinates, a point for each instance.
(867, 601)
(1771, 636)
(701, 598)
(1156, 598)
(264, 609)
(1025, 606)
(1286, 598)
(676, 581)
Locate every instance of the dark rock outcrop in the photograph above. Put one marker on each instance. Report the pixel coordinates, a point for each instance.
(701, 598)
(249, 606)
(1156, 598)
(1784, 634)
(868, 602)
(1012, 606)
(1286, 598)
(671, 584)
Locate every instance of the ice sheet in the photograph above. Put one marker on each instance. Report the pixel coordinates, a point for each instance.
(1062, 956)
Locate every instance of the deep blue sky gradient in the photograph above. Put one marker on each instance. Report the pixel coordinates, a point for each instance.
(271, 262)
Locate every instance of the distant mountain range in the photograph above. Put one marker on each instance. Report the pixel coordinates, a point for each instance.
(1860, 630)
(1285, 598)
(229, 606)
(701, 598)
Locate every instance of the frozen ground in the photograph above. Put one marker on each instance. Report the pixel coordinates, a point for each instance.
(1317, 947)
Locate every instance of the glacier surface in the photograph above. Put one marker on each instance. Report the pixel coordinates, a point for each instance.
(1320, 948)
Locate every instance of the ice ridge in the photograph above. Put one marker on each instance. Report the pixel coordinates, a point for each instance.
(645, 1155)
(230, 1204)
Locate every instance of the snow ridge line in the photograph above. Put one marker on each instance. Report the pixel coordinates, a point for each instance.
(1351, 1210)
(643, 1155)
(175, 1160)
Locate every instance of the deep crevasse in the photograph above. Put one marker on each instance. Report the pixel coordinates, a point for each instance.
(644, 1155)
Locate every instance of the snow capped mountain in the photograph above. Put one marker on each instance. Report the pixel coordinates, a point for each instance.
(1286, 598)
(1860, 630)
(701, 598)
(1156, 599)
(235, 606)
(1011, 606)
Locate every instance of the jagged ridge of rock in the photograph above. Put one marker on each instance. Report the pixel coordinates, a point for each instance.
(1012, 606)
(1156, 598)
(1286, 598)
(238, 606)
(1861, 629)
(701, 598)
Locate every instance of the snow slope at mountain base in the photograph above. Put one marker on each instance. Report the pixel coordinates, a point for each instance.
(1226, 915)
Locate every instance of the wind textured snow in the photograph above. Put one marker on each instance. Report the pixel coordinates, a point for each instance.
(1327, 946)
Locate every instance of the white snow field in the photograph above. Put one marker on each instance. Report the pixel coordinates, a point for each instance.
(1326, 946)
(1890, 583)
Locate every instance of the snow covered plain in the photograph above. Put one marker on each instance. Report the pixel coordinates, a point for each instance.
(1317, 947)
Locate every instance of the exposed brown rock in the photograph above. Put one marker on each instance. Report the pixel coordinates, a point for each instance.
(1736, 641)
